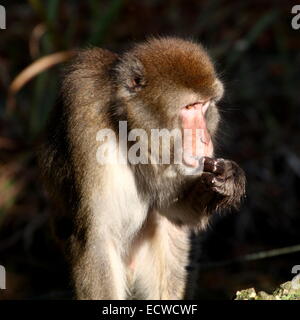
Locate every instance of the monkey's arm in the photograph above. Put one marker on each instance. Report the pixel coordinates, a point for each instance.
(221, 186)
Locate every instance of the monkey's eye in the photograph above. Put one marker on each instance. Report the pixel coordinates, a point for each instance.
(189, 107)
(203, 105)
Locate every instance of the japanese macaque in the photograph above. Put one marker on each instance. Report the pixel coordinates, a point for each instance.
(125, 225)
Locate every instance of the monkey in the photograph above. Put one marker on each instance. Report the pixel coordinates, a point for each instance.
(126, 226)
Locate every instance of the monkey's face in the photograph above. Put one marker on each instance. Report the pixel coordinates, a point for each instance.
(170, 83)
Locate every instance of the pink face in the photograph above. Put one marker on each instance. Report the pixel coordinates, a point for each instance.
(196, 138)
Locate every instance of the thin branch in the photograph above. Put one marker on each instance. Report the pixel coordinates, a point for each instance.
(31, 71)
(252, 257)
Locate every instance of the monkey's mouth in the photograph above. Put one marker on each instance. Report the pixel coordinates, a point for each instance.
(196, 138)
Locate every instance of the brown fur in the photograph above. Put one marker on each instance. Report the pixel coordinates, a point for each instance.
(126, 227)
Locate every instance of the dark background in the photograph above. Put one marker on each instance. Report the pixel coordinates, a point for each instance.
(257, 56)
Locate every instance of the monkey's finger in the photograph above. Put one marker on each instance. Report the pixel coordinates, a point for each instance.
(214, 165)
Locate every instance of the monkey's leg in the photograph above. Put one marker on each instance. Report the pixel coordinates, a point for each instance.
(174, 260)
(161, 264)
(98, 271)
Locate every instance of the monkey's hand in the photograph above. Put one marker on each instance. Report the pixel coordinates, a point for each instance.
(225, 179)
(221, 185)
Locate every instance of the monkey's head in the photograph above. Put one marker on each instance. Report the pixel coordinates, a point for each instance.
(173, 82)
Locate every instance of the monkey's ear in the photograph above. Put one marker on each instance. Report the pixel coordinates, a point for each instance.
(131, 74)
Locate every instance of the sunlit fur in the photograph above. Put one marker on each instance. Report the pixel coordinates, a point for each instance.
(126, 227)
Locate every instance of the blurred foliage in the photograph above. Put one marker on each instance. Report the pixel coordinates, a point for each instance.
(287, 291)
(257, 55)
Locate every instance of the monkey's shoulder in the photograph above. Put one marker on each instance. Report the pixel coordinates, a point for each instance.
(89, 63)
(95, 57)
(88, 79)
